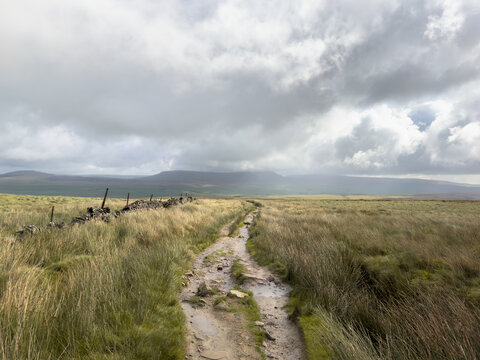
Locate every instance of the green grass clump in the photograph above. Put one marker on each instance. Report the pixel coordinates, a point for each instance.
(389, 279)
(238, 272)
(249, 307)
(219, 300)
(313, 327)
(212, 259)
(197, 301)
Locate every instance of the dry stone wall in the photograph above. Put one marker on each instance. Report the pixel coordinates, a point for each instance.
(105, 214)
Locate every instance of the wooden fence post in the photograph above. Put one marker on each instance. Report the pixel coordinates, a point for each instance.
(128, 198)
(104, 198)
(51, 214)
(151, 196)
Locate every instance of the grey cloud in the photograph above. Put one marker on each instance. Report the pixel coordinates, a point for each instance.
(363, 138)
(222, 85)
(414, 81)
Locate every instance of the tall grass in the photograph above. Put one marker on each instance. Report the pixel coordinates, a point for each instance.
(378, 279)
(101, 291)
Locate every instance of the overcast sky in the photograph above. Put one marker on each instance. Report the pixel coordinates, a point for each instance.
(138, 87)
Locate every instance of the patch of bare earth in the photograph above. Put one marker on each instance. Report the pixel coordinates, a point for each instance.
(215, 330)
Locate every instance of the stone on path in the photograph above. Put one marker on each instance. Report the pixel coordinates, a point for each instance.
(204, 290)
(237, 293)
(222, 306)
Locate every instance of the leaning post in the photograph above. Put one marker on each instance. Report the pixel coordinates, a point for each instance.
(128, 198)
(104, 198)
(51, 214)
(151, 197)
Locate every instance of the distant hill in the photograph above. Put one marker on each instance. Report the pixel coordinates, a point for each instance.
(25, 173)
(228, 183)
(214, 178)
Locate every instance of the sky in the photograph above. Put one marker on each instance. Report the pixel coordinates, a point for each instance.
(371, 88)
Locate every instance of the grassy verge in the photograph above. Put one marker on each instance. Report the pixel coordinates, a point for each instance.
(249, 307)
(101, 291)
(377, 279)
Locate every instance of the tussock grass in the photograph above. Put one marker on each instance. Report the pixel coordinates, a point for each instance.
(101, 291)
(238, 272)
(378, 279)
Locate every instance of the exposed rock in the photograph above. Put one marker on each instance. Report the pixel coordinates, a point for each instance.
(269, 337)
(93, 213)
(221, 306)
(55, 225)
(144, 204)
(199, 337)
(259, 323)
(28, 229)
(253, 277)
(237, 294)
(204, 290)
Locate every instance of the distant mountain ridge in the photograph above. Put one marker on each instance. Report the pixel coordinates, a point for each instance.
(236, 177)
(24, 173)
(226, 183)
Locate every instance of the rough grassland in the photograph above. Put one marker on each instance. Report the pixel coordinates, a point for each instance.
(378, 279)
(99, 291)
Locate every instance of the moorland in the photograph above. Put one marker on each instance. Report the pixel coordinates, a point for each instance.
(372, 279)
(243, 183)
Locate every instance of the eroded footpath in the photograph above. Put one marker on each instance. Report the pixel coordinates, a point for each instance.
(217, 328)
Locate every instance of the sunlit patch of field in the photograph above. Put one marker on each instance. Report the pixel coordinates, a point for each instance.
(100, 290)
(377, 279)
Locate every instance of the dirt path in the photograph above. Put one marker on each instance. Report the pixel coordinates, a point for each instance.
(216, 328)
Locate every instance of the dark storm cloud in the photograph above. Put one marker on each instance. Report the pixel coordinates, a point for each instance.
(371, 87)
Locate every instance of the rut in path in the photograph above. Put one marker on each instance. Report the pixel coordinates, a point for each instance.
(213, 332)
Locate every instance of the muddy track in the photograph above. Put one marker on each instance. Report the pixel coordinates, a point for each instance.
(215, 330)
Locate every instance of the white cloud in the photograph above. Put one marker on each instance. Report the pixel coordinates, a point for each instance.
(291, 85)
(447, 24)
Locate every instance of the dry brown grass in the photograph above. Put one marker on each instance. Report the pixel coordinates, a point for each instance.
(378, 279)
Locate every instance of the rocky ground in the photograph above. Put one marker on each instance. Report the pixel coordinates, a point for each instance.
(213, 299)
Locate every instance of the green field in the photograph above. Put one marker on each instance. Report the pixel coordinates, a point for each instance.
(372, 279)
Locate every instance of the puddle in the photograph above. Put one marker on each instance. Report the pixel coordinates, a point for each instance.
(270, 291)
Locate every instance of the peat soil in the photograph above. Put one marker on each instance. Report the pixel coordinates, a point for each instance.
(215, 329)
